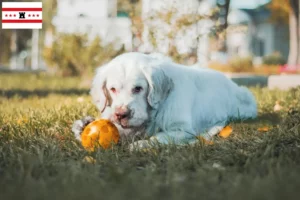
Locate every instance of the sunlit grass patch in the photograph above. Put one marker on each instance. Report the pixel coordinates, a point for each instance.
(40, 158)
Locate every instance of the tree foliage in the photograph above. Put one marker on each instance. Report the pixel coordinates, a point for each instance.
(49, 10)
(279, 11)
(133, 8)
(179, 24)
(76, 54)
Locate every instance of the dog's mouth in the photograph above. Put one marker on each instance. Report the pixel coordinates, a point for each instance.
(124, 123)
(127, 124)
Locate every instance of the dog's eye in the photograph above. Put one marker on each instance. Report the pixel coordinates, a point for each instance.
(137, 89)
(113, 89)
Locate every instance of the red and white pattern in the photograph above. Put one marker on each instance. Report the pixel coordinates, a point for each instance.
(22, 15)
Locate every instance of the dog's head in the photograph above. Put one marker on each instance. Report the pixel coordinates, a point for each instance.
(132, 84)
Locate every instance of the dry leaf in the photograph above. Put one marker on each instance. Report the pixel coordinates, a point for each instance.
(80, 99)
(89, 159)
(218, 166)
(225, 132)
(277, 106)
(263, 129)
(22, 120)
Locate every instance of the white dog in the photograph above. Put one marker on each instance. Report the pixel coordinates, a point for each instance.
(151, 95)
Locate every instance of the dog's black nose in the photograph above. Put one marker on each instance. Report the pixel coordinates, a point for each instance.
(122, 115)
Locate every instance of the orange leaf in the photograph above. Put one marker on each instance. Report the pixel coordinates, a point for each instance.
(263, 129)
(22, 120)
(225, 132)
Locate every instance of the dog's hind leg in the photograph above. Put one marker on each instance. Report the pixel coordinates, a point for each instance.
(165, 138)
(212, 132)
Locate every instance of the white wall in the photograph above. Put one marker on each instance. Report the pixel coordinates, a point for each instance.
(91, 8)
(239, 43)
(265, 32)
(99, 20)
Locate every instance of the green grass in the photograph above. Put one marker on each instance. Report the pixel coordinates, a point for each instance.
(40, 159)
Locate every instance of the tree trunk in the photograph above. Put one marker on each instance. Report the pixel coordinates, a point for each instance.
(294, 57)
(35, 49)
(298, 61)
(224, 9)
(13, 49)
(226, 23)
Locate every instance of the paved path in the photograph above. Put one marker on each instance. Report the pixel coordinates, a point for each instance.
(282, 82)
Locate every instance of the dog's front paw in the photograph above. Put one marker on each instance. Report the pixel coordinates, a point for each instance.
(79, 125)
(140, 145)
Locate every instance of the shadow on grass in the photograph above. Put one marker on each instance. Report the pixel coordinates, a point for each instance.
(41, 92)
(269, 118)
(251, 81)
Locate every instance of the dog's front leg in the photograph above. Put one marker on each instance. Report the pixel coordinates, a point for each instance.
(79, 125)
(165, 138)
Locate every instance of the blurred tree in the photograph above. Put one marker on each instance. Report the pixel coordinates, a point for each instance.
(15, 41)
(294, 23)
(49, 10)
(287, 11)
(279, 11)
(76, 54)
(223, 6)
(133, 9)
(179, 24)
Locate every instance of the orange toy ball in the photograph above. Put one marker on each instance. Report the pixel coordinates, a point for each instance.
(100, 132)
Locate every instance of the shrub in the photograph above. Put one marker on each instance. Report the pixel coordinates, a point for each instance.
(241, 64)
(75, 54)
(258, 70)
(274, 59)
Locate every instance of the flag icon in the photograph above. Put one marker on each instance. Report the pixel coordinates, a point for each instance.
(22, 15)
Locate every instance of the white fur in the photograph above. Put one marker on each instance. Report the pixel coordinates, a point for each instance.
(177, 102)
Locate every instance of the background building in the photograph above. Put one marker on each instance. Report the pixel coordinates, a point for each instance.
(96, 18)
(250, 31)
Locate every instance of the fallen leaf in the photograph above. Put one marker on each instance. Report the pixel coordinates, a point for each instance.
(22, 120)
(225, 132)
(80, 99)
(218, 166)
(89, 159)
(277, 106)
(263, 129)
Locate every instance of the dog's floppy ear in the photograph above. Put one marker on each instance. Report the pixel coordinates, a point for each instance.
(160, 85)
(99, 92)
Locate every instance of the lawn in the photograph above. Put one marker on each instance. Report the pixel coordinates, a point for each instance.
(40, 159)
